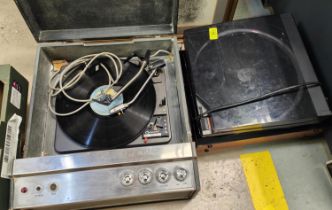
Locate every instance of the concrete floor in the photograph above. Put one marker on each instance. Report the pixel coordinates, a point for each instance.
(300, 163)
(17, 46)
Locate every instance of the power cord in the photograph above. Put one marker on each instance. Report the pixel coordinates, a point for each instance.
(57, 84)
(260, 98)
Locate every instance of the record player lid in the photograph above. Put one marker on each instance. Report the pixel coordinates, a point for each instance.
(59, 20)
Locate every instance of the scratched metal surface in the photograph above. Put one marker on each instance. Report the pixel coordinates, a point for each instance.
(63, 14)
(98, 19)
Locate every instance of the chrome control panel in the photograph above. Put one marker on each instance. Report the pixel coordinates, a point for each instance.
(72, 188)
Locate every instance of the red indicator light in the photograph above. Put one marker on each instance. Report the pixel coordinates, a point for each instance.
(24, 190)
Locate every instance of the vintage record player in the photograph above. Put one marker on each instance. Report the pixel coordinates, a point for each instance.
(113, 155)
(112, 125)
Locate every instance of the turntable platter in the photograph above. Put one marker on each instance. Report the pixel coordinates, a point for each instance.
(98, 131)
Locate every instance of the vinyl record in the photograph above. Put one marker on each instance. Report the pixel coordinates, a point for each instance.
(95, 131)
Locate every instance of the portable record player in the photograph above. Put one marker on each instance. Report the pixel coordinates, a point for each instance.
(126, 135)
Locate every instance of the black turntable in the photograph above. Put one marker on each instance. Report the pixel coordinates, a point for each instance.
(250, 76)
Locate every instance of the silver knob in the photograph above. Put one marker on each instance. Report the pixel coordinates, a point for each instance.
(145, 176)
(127, 178)
(180, 173)
(163, 175)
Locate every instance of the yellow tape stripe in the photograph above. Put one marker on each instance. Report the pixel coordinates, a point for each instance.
(262, 178)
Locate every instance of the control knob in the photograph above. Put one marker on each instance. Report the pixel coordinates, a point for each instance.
(145, 176)
(127, 178)
(163, 175)
(180, 173)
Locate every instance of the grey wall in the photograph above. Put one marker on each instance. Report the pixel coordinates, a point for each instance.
(200, 12)
(314, 19)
